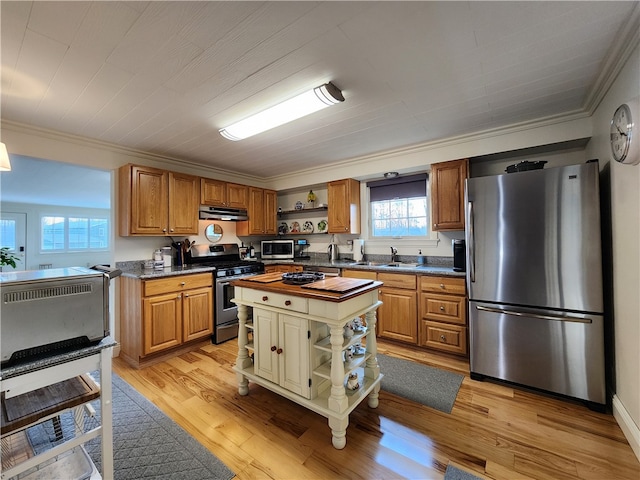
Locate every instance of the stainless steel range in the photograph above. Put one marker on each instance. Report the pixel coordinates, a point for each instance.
(228, 267)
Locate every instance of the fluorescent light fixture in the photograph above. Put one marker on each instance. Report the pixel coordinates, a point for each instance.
(5, 164)
(292, 109)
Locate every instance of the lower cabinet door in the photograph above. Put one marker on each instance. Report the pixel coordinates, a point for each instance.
(398, 315)
(197, 313)
(162, 322)
(294, 357)
(265, 339)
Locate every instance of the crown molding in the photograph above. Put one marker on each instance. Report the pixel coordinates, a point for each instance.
(625, 43)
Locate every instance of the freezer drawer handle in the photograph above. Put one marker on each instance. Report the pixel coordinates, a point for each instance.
(534, 315)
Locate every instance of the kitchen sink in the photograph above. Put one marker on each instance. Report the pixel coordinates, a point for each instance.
(385, 264)
(401, 264)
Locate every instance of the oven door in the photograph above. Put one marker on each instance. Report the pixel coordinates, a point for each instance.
(226, 312)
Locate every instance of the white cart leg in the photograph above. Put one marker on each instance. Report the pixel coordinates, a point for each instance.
(339, 431)
(106, 415)
(372, 369)
(243, 360)
(338, 401)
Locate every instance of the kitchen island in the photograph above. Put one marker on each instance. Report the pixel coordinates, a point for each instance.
(295, 344)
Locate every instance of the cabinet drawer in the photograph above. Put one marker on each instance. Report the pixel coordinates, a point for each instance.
(446, 308)
(366, 274)
(452, 285)
(278, 300)
(177, 283)
(445, 337)
(397, 280)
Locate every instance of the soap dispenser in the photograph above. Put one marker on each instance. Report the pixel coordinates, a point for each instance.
(421, 259)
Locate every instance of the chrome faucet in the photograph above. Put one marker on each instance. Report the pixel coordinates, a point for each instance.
(394, 252)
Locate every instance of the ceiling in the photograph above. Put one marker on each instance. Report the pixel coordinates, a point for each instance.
(163, 77)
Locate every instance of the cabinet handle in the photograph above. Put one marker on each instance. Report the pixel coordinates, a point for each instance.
(265, 298)
(273, 348)
(279, 351)
(443, 338)
(287, 303)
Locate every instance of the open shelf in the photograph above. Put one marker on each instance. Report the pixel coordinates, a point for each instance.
(325, 343)
(324, 370)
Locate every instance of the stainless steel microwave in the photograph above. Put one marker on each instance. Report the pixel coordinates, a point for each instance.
(276, 250)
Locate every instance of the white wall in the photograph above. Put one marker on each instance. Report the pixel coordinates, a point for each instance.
(625, 202)
(34, 256)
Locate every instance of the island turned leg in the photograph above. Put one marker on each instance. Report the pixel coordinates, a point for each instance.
(243, 361)
(372, 369)
(338, 401)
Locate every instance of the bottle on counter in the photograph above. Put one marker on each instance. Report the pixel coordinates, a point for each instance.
(252, 251)
(421, 259)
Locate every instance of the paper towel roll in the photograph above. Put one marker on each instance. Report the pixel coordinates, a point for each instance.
(358, 250)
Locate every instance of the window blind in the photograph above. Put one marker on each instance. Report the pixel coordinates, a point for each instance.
(400, 187)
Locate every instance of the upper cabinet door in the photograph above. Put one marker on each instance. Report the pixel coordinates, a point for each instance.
(270, 212)
(237, 195)
(344, 206)
(447, 194)
(184, 200)
(213, 192)
(143, 201)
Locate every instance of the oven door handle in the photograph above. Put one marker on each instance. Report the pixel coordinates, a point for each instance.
(223, 283)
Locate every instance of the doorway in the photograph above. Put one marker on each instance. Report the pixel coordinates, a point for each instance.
(13, 235)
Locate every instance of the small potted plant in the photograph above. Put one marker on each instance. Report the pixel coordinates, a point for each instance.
(7, 258)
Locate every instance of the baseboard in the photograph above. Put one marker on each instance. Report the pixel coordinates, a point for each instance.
(628, 426)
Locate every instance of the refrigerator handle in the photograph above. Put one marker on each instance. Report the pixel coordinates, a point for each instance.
(471, 243)
(535, 315)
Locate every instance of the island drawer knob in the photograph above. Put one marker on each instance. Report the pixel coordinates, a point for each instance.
(273, 348)
(265, 298)
(287, 303)
(279, 351)
(443, 338)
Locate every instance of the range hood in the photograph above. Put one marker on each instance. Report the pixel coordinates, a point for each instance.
(222, 213)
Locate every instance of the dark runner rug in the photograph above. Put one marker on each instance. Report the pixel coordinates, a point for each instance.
(146, 443)
(429, 386)
(453, 473)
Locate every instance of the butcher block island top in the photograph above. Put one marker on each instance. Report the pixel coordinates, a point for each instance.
(332, 289)
(305, 342)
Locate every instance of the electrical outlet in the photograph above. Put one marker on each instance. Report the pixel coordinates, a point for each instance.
(350, 244)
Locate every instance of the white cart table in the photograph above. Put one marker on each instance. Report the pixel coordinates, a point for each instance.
(297, 346)
(30, 376)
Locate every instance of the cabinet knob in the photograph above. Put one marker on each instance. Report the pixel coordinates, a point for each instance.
(182, 284)
(171, 229)
(442, 285)
(164, 229)
(443, 338)
(179, 297)
(273, 348)
(287, 303)
(441, 308)
(186, 295)
(279, 351)
(265, 298)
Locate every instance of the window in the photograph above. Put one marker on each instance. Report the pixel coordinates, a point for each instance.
(73, 233)
(399, 207)
(8, 234)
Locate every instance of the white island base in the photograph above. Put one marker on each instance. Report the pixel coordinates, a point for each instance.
(297, 349)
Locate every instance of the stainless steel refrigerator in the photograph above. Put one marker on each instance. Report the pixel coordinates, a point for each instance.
(534, 276)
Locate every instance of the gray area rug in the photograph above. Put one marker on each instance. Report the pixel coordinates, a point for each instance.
(429, 386)
(453, 473)
(146, 443)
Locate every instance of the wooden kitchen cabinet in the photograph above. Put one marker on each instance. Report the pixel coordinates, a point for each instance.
(398, 314)
(157, 202)
(164, 314)
(218, 193)
(443, 314)
(262, 212)
(447, 194)
(343, 206)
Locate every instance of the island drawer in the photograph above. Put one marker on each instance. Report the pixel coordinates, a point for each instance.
(277, 300)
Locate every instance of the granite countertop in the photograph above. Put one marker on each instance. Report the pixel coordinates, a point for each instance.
(29, 366)
(409, 267)
(442, 268)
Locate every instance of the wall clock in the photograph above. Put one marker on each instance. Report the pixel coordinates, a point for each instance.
(624, 141)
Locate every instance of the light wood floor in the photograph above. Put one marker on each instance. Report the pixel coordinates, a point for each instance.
(493, 431)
